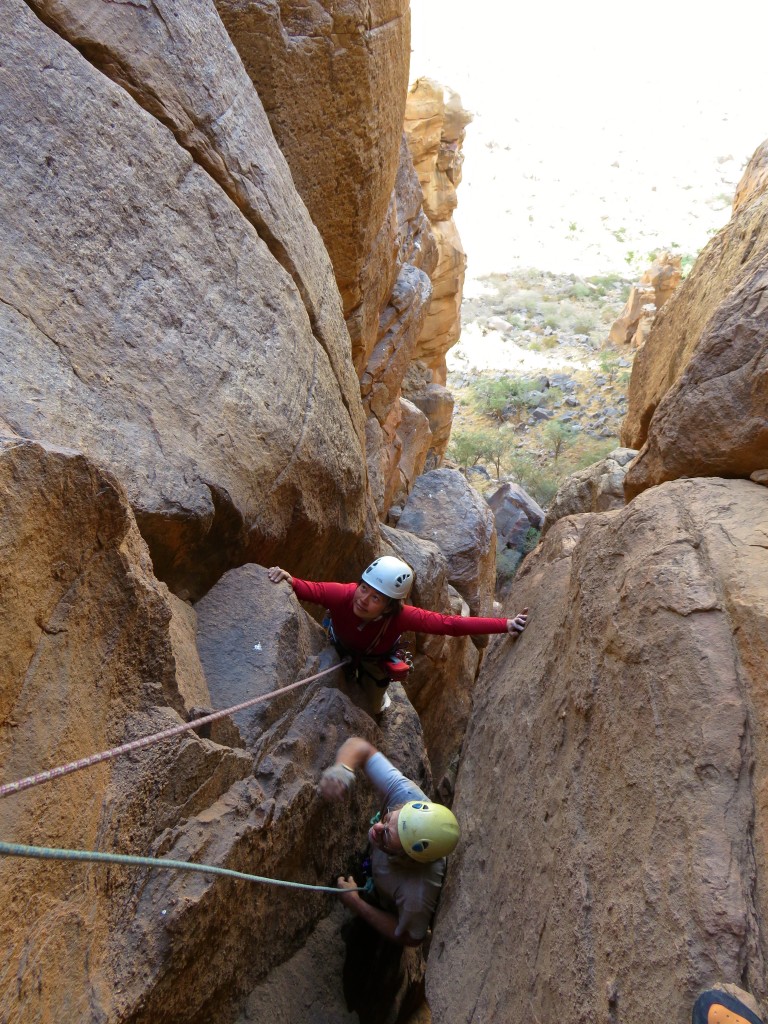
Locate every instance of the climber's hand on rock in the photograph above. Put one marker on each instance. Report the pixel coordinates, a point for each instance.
(336, 781)
(278, 575)
(517, 625)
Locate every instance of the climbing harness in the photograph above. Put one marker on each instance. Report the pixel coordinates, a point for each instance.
(48, 853)
(396, 663)
(146, 741)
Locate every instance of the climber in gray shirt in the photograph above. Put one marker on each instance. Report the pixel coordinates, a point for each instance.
(409, 844)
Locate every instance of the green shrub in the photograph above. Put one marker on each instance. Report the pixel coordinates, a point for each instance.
(507, 563)
(585, 323)
(579, 290)
(559, 435)
(466, 447)
(537, 482)
(593, 451)
(490, 396)
(494, 397)
(531, 539)
(609, 363)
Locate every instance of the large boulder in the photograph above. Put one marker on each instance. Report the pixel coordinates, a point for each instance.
(699, 387)
(444, 509)
(89, 657)
(597, 488)
(168, 306)
(515, 514)
(612, 790)
(436, 402)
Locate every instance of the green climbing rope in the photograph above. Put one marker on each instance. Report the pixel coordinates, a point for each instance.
(48, 853)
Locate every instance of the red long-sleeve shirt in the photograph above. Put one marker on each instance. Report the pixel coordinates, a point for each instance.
(368, 638)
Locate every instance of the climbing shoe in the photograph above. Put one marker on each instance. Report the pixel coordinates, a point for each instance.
(718, 1007)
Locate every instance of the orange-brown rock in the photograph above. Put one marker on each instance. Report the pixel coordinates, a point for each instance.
(91, 657)
(194, 344)
(333, 80)
(89, 660)
(754, 180)
(699, 387)
(613, 789)
(437, 403)
(656, 286)
(597, 488)
(435, 124)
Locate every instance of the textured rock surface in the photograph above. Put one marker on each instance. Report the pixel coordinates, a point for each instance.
(444, 509)
(656, 286)
(182, 327)
(699, 387)
(341, 137)
(597, 488)
(444, 668)
(91, 649)
(613, 783)
(437, 403)
(89, 660)
(434, 125)
(754, 181)
(514, 513)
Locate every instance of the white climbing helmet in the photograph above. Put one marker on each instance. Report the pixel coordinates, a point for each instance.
(390, 576)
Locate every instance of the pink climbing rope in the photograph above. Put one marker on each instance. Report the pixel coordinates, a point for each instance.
(146, 741)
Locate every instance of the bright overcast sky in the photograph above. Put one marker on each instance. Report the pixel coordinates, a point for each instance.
(602, 130)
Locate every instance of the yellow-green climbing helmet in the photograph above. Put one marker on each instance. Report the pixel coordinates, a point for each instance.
(427, 831)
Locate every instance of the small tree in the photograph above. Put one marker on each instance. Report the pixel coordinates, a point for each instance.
(560, 436)
(519, 400)
(466, 447)
(609, 363)
(496, 446)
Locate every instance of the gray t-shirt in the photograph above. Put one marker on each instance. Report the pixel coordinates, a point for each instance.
(403, 884)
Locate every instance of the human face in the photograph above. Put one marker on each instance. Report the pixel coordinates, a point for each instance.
(368, 604)
(383, 835)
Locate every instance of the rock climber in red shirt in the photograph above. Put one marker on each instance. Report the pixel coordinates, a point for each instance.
(367, 618)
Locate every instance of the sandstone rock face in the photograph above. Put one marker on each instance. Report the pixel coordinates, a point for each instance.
(699, 387)
(514, 513)
(436, 402)
(442, 679)
(92, 649)
(387, 352)
(341, 136)
(415, 438)
(754, 181)
(597, 488)
(435, 122)
(612, 791)
(656, 286)
(193, 343)
(89, 660)
(444, 509)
